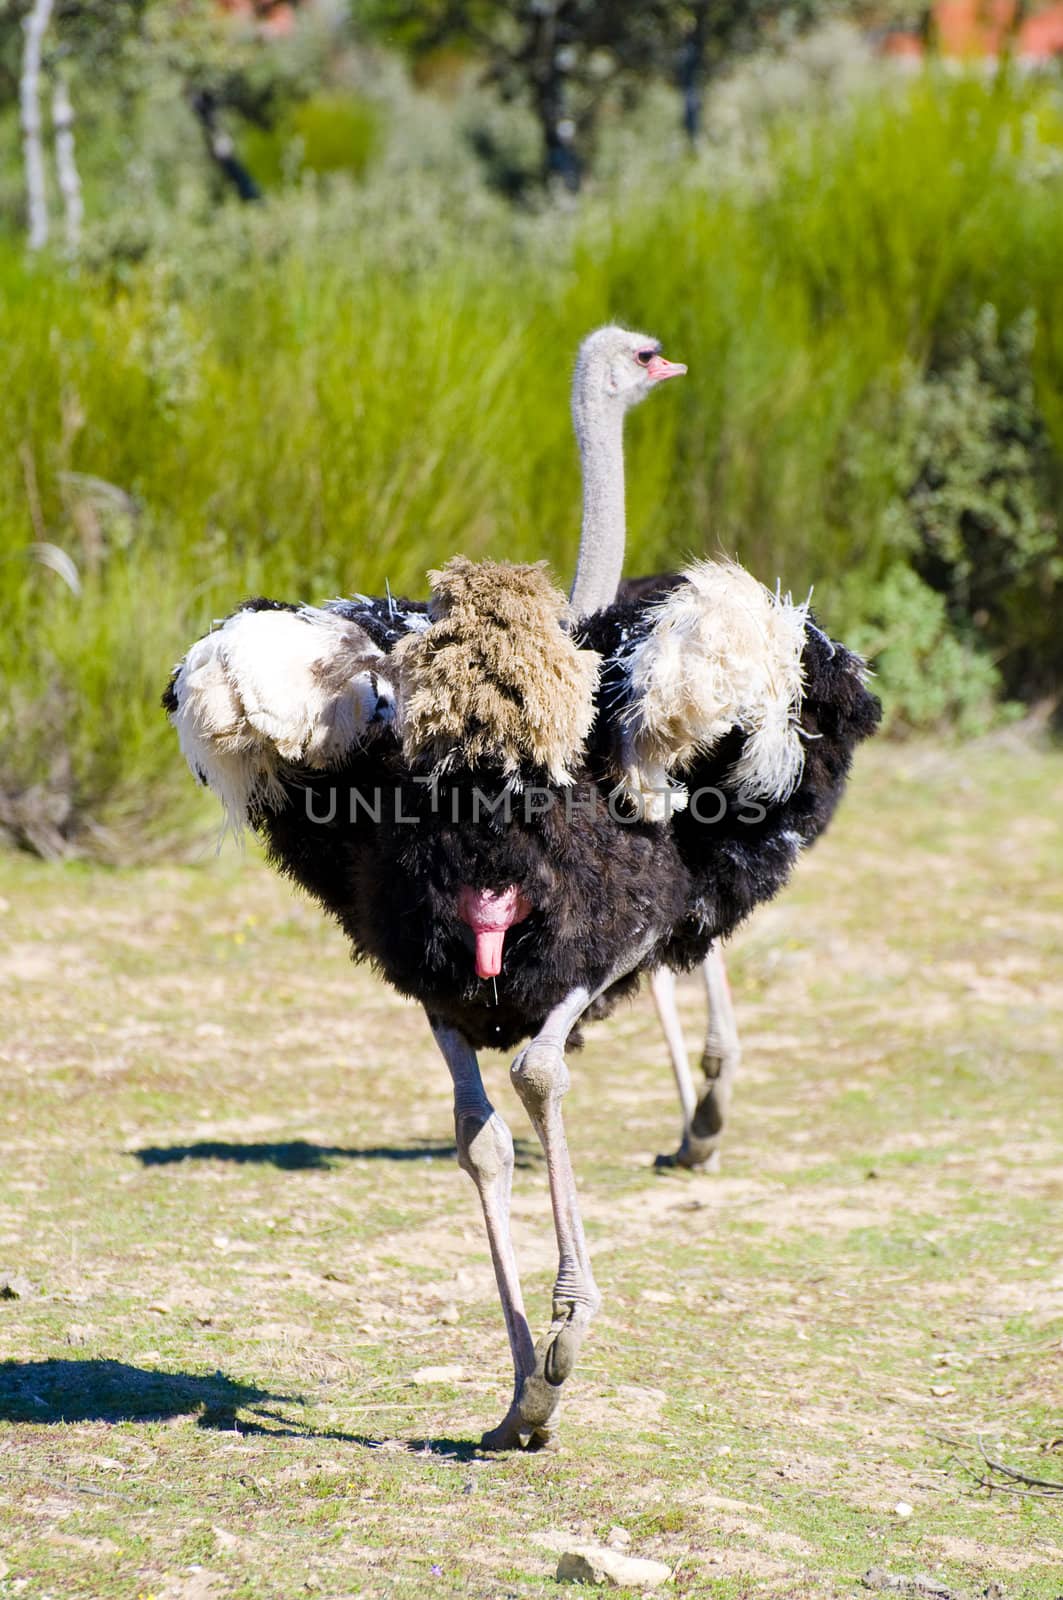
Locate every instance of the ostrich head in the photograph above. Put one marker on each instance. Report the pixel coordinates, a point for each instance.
(616, 368)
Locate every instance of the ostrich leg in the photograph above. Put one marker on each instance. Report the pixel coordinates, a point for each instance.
(722, 1052)
(485, 1152)
(703, 1115)
(662, 987)
(540, 1076)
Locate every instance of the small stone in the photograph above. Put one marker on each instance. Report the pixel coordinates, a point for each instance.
(618, 1538)
(425, 1375)
(917, 1587)
(942, 1389)
(591, 1564)
(449, 1314)
(903, 1509)
(15, 1287)
(160, 1308)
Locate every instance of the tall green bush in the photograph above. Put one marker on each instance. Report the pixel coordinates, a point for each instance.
(978, 509)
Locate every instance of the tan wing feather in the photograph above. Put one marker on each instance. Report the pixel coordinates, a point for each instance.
(495, 678)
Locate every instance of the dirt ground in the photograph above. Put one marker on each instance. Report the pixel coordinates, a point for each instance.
(248, 1327)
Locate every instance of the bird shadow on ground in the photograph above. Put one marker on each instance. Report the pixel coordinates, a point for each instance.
(298, 1155)
(453, 1449)
(94, 1389)
(100, 1390)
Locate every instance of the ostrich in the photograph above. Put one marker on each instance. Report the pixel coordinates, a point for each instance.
(515, 806)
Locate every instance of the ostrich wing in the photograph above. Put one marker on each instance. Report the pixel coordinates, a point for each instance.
(720, 652)
(271, 687)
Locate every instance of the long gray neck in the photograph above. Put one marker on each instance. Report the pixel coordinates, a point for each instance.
(600, 435)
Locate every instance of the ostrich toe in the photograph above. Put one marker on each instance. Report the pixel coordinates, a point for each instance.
(531, 1421)
(695, 1155)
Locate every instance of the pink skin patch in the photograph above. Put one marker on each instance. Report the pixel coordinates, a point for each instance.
(490, 916)
(658, 369)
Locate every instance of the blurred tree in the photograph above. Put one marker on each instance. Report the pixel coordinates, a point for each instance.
(35, 24)
(706, 36)
(563, 58)
(546, 52)
(101, 33)
(222, 67)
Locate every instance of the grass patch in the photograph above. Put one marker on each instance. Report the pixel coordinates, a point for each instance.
(230, 1187)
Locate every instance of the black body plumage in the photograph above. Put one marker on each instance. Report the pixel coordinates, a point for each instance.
(386, 851)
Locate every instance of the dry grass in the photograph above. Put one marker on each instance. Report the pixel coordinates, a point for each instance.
(227, 1176)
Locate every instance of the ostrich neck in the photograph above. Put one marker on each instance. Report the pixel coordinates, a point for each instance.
(601, 547)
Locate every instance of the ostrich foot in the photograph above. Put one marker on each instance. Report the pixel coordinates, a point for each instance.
(696, 1155)
(700, 1146)
(531, 1422)
(513, 1433)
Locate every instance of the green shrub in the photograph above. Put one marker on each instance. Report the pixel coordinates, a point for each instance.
(928, 678)
(977, 506)
(328, 133)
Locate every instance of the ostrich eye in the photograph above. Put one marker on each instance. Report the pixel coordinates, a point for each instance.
(644, 357)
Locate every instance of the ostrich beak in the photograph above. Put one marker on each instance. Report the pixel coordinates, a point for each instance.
(660, 368)
(490, 917)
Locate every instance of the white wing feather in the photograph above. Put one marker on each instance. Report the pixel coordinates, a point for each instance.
(724, 652)
(270, 688)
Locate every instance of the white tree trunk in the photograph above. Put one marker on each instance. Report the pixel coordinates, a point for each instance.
(66, 163)
(36, 25)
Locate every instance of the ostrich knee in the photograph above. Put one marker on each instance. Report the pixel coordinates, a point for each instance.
(541, 1078)
(485, 1147)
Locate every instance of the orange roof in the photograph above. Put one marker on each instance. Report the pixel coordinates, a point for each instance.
(973, 27)
(980, 28)
(273, 16)
(1042, 36)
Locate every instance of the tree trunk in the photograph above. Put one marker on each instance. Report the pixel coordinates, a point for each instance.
(563, 164)
(221, 148)
(66, 163)
(35, 25)
(691, 72)
(561, 161)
